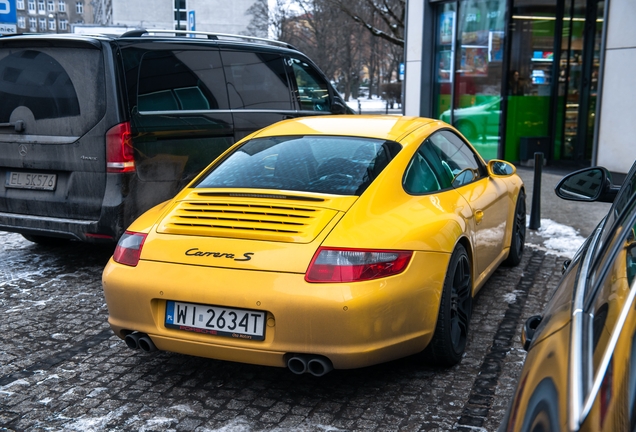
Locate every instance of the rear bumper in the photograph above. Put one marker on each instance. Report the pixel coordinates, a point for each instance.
(47, 226)
(354, 325)
(106, 227)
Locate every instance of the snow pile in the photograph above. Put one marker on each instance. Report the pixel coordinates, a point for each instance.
(560, 239)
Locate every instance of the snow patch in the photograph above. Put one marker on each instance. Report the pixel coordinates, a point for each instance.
(510, 298)
(560, 240)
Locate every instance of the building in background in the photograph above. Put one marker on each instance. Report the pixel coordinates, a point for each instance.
(520, 76)
(217, 16)
(49, 16)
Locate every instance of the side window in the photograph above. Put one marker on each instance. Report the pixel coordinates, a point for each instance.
(459, 161)
(313, 91)
(419, 177)
(256, 81)
(609, 308)
(181, 81)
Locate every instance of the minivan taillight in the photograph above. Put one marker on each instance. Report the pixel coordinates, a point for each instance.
(353, 265)
(119, 149)
(128, 248)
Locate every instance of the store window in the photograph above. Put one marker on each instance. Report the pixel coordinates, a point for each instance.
(63, 25)
(530, 80)
(470, 47)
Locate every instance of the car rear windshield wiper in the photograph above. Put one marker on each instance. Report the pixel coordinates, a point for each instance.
(18, 125)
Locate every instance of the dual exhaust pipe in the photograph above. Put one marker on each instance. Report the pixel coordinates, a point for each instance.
(313, 364)
(297, 363)
(140, 341)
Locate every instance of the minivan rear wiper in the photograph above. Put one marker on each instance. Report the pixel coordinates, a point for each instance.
(18, 125)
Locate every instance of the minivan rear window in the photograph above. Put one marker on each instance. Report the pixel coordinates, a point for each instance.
(324, 164)
(49, 92)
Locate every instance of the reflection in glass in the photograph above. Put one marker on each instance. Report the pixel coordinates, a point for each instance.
(585, 186)
(334, 165)
(470, 54)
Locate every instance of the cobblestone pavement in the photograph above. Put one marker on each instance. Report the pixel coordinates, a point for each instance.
(61, 367)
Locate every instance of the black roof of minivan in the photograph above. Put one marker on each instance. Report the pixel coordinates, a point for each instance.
(154, 34)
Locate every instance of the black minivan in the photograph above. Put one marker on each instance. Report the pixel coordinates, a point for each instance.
(95, 130)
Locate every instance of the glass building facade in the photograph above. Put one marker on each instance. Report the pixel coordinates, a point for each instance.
(517, 76)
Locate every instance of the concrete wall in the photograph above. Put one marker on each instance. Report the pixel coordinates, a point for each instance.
(617, 131)
(219, 16)
(413, 72)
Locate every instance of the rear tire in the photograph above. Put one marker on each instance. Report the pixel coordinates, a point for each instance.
(449, 340)
(45, 240)
(518, 240)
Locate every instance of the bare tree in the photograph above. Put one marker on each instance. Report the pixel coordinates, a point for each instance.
(268, 21)
(259, 24)
(391, 14)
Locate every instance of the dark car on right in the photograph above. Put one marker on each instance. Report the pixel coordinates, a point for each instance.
(580, 371)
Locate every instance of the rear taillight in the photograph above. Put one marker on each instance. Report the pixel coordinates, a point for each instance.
(128, 248)
(119, 149)
(352, 265)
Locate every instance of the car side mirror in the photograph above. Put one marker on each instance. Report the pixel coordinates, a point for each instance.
(500, 168)
(588, 185)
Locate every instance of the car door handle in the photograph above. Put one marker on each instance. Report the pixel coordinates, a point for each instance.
(479, 216)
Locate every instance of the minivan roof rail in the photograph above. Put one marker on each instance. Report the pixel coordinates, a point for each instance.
(209, 35)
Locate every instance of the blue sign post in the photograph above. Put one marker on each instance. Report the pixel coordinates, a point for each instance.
(191, 22)
(401, 78)
(8, 17)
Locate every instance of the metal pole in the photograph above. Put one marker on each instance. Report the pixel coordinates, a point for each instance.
(535, 212)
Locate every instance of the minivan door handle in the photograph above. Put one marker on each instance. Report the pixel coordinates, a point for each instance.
(18, 125)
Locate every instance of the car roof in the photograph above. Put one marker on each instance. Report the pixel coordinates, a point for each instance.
(385, 127)
(143, 35)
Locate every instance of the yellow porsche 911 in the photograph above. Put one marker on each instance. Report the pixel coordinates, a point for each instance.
(320, 243)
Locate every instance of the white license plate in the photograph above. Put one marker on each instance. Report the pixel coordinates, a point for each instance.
(216, 320)
(23, 180)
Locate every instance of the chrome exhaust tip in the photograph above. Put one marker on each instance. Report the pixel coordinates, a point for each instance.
(132, 340)
(298, 364)
(319, 366)
(146, 344)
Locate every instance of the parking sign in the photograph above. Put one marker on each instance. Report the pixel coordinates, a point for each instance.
(8, 17)
(191, 22)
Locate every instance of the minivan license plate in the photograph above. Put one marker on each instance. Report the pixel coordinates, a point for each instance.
(216, 320)
(23, 180)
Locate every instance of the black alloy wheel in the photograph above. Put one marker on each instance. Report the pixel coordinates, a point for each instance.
(451, 332)
(518, 240)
